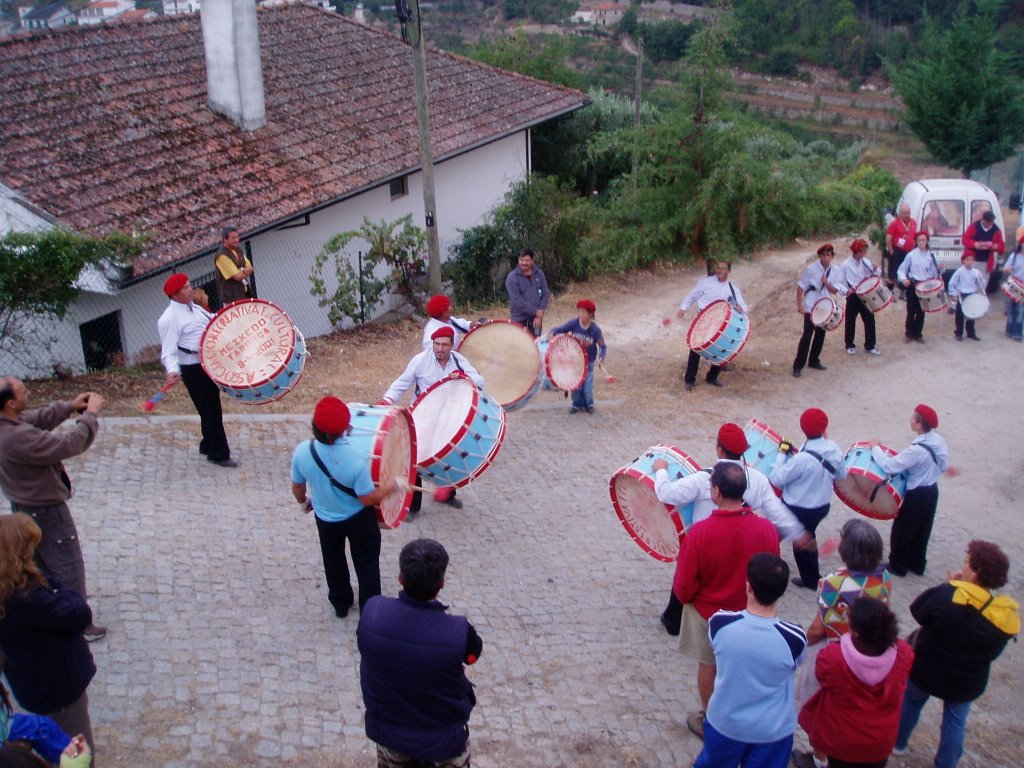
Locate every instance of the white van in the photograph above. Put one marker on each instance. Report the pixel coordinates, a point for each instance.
(945, 208)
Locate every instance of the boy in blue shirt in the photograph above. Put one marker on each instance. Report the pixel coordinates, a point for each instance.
(586, 332)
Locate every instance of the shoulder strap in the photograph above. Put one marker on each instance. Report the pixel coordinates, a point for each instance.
(457, 364)
(930, 452)
(456, 326)
(733, 292)
(938, 272)
(323, 468)
(821, 459)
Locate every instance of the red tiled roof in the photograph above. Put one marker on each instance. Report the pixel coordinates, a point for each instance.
(107, 127)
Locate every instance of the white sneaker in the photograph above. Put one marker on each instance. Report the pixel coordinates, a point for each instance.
(898, 751)
(876, 351)
(851, 350)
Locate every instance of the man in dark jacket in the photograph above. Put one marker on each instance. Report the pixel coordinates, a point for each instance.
(964, 628)
(528, 293)
(415, 690)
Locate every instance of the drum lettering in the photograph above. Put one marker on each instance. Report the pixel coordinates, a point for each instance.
(265, 346)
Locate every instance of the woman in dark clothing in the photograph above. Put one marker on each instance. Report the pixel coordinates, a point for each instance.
(49, 665)
(964, 628)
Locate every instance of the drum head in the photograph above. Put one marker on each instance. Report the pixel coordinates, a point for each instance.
(654, 526)
(247, 344)
(441, 416)
(865, 495)
(709, 324)
(565, 362)
(394, 456)
(506, 355)
(823, 313)
(974, 306)
(929, 286)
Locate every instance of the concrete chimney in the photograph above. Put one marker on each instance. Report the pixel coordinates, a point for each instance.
(234, 75)
(360, 14)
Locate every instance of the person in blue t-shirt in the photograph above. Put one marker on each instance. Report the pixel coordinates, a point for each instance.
(751, 717)
(342, 497)
(586, 332)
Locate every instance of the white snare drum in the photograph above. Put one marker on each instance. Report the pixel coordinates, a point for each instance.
(866, 488)
(874, 293)
(385, 434)
(827, 313)
(718, 332)
(657, 528)
(565, 362)
(932, 294)
(974, 306)
(252, 351)
(459, 431)
(506, 355)
(1013, 288)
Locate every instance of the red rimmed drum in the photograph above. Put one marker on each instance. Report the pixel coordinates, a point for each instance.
(827, 313)
(459, 431)
(657, 528)
(932, 294)
(866, 488)
(718, 332)
(1013, 289)
(506, 355)
(386, 435)
(565, 362)
(874, 293)
(252, 351)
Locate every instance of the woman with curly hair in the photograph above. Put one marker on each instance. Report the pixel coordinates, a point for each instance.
(49, 665)
(964, 628)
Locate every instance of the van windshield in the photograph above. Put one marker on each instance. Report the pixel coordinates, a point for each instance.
(944, 217)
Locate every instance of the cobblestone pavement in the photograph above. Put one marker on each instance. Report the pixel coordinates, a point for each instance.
(223, 649)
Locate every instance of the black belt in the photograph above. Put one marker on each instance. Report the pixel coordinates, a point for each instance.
(190, 351)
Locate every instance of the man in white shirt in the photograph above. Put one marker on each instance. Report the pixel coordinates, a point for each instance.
(709, 289)
(439, 310)
(814, 284)
(181, 328)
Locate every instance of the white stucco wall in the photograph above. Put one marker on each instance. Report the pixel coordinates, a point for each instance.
(467, 188)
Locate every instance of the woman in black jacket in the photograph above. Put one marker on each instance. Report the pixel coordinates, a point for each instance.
(49, 665)
(964, 628)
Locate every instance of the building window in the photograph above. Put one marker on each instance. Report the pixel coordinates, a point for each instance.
(101, 342)
(399, 187)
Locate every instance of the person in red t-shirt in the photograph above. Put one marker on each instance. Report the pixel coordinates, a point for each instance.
(711, 573)
(899, 241)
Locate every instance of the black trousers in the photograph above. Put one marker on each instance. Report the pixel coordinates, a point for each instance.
(960, 320)
(417, 496)
(692, 362)
(206, 398)
(915, 315)
(807, 559)
(855, 308)
(895, 259)
(363, 537)
(811, 342)
(908, 541)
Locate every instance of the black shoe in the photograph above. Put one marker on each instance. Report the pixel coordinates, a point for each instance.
(892, 569)
(974, 338)
(817, 366)
(959, 336)
(714, 382)
(796, 373)
(907, 339)
(229, 463)
(590, 409)
(341, 613)
(574, 409)
(689, 386)
(919, 339)
(796, 581)
(670, 627)
(453, 502)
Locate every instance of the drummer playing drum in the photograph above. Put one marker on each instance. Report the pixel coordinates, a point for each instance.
(917, 266)
(427, 368)
(709, 289)
(966, 281)
(587, 332)
(852, 273)
(814, 284)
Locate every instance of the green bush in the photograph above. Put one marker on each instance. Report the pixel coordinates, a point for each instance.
(879, 182)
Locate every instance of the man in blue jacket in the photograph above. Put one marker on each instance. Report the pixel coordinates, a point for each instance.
(415, 690)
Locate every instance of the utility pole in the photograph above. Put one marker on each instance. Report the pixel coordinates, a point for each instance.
(412, 32)
(636, 106)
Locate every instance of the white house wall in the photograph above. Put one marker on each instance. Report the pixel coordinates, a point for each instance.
(467, 188)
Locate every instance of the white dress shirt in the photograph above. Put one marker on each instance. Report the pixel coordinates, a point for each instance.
(966, 281)
(424, 370)
(759, 496)
(921, 468)
(457, 324)
(709, 289)
(1015, 265)
(181, 328)
(803, 479)
(813, 282)
(918, 265)
(853, 272)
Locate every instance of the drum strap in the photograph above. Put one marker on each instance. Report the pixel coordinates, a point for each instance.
(824, 462)
(733, 292)
(190, 351)
(930, 453)
(457, 327)
(323, 468)
(938, 272)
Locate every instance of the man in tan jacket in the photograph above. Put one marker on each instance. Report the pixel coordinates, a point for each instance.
(33, 478)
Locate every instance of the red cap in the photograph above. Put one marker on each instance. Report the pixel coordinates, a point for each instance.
(438, 305)
(922, 232)
(586, 304)
(931, 418)
(331, 416)
(442, 332)
(732, 439)
(825, 247)
(813, 422)
(859, 245)
(175, 283)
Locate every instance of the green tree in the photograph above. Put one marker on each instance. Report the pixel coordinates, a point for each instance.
(541, 56)
(38, 271)
(963, 100)
(628, 22)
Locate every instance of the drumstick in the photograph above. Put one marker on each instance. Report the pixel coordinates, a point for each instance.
(666, 321)
(154, 401)
(608, 377)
